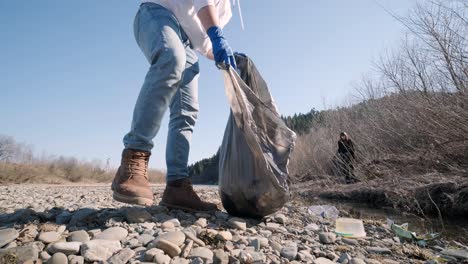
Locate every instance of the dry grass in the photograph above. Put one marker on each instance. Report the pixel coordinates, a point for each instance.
(55, 173)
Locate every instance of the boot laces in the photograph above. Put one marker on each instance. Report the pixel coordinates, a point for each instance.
(137, 166)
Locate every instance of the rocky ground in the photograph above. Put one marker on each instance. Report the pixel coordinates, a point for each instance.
(82, 224)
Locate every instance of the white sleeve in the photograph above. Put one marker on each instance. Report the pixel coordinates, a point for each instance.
(199, 4)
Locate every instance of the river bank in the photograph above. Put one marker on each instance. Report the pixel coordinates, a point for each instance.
(76, 224)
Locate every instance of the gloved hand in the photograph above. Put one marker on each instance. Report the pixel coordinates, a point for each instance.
(222, 52)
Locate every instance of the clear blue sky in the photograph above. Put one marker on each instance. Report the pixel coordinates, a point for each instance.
(70, 71)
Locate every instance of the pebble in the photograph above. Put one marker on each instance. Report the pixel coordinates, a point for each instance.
(220, 257)
(357, 261)
(344, 257)
(161, 258)
(61, 229)
(112, 233)
(379, 250)
(78, 236)
(72, 259)
(178, 260)
(281, 218)
(237, 223)
(186, 249)
(148, 225)
(305, 255)
(203, 253)
(99, 249)
(272, 226)
(68, 248)
(390, 261)
(312, 227)
(457, 253)
(169, 248)
(350, 241)
(224, 235)
(121, 257)
(276, 246)
(287, 236)
(7, 235)
(323, 261)
(174, 221)
(372, 261)
(327, 237)
(145, 239)
(175, 237)
(167, 226)
(289, 251)
(49, 237)
(255, 243)
(58, 258)
(151, 253)
(193, 237)
(44, 255)
(201, 222)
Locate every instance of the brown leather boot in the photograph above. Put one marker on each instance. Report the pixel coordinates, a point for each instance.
(131, 183)
(179, 194)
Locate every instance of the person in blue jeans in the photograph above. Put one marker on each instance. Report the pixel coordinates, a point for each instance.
(169, 32)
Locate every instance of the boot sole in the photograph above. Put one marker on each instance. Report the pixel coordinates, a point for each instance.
(132, 199)
(170, 206)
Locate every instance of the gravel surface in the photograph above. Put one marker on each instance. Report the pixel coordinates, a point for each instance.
(82, 224)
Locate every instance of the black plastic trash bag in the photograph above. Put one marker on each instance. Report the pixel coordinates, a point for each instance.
(256, 146)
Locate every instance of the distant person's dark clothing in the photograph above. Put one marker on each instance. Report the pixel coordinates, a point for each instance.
(346, 148)
(347, 157)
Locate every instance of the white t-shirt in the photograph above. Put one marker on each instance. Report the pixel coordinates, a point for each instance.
(186, 12)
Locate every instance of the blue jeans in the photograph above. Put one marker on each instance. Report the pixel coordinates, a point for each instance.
(171, 81)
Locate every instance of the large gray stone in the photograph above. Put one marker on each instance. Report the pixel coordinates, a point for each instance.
(7, 235)
(78, 236)
(49, 237)
(113, 233)
(99, 249)
(175, 237)
(67, 248)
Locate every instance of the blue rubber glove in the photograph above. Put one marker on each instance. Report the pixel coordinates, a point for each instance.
(222, 52)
